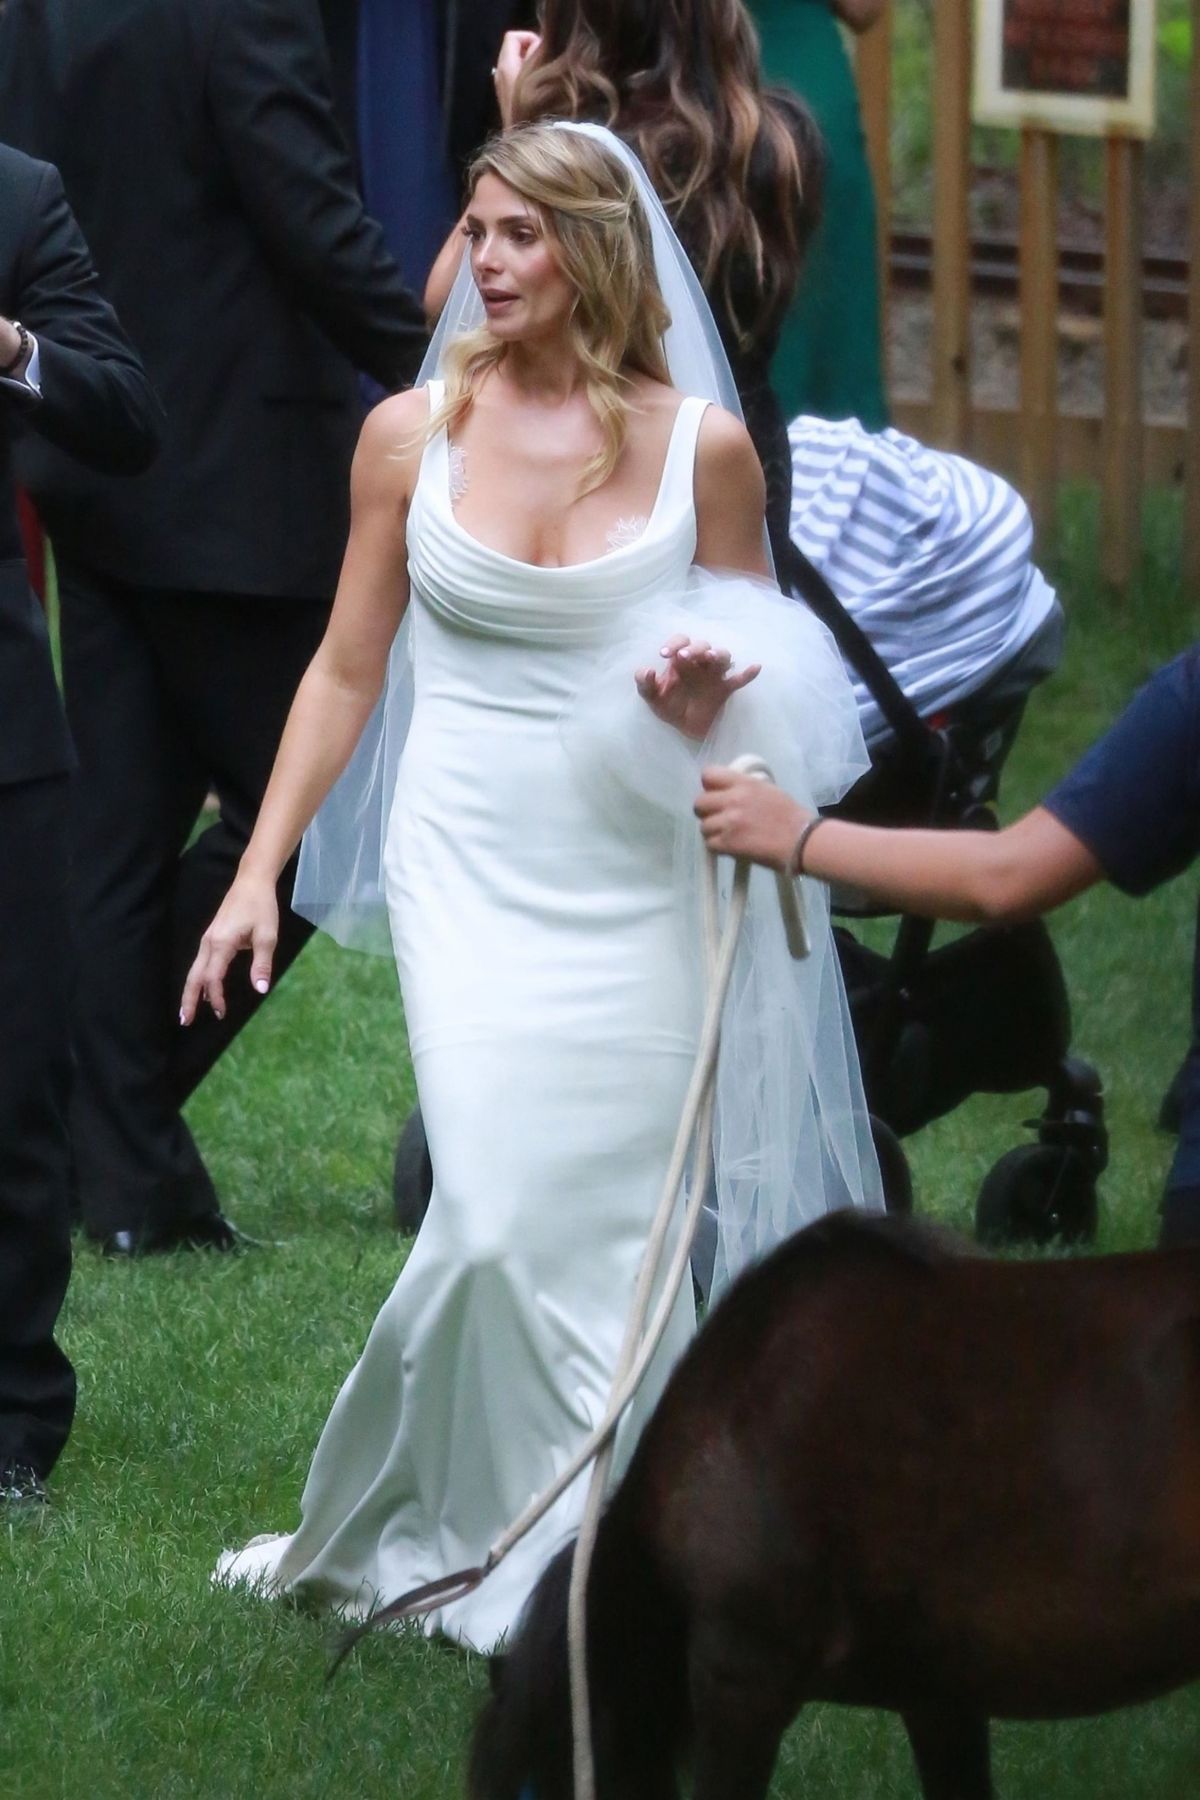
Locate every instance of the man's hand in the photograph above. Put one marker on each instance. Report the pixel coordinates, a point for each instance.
(10, 348)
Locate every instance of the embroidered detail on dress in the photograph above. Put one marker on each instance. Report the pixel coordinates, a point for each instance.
(626, 531)
(458, 473)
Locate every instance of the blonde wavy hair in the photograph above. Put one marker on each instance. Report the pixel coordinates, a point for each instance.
(587, 203)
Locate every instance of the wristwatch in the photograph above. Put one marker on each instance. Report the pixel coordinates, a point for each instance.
(23, 348)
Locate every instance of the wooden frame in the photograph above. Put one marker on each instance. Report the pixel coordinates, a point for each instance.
(1036, 445)
(1100, 94)
(1191, 516)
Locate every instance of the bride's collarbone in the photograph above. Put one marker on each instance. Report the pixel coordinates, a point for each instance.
(550, 528)
(523, 500)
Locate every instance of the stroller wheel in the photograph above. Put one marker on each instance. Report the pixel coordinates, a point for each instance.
(1035, 1194)
(894, 1171)
(412, 1175)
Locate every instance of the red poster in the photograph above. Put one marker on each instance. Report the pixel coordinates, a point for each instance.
(1079, 47)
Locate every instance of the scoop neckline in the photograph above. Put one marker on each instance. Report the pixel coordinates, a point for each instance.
(589, 562)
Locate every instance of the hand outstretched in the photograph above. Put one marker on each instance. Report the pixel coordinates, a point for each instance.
(697, 681)
(248, 919)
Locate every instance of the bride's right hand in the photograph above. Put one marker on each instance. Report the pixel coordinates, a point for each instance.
(248, 919)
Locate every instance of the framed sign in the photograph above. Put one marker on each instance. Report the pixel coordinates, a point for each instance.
(1082, 66)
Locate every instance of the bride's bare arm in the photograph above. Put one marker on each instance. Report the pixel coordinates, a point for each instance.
(697, 678)
(333, 701)
(731, 498)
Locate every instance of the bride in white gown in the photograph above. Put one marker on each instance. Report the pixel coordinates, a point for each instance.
(546, 506)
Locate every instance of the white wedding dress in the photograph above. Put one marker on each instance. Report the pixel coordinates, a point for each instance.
(535, 847)
(550, 966)
(551, 993)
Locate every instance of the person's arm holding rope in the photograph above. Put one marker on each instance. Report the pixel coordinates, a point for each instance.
(1030, 867)
(1126, 813)
(333, 702)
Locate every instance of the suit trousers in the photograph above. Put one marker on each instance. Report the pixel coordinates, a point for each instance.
(37, 1383)
(168, 694)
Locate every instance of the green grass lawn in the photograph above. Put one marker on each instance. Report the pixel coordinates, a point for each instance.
(204, 1381)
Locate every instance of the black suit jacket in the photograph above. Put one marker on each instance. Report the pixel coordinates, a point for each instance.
(199, 148)
(471, 33)
(469, 37)
(95, 404)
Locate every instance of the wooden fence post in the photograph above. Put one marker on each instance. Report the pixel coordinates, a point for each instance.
(1191, 541)
(1121, 479)
(1039, 329)
(951, 224)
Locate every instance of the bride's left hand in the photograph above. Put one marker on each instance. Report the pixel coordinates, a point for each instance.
(693, 687)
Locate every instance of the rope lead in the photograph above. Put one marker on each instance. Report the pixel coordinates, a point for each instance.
(694, 1137)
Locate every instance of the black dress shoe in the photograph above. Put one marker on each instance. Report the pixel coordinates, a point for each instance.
(21, 1485)
(1170, 1113)
(207, 1231)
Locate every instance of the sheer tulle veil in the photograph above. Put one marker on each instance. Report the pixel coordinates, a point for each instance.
(792, 1137)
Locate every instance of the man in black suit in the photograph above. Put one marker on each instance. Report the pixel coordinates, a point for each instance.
(67, 373)
(198, 144)
(468, 36)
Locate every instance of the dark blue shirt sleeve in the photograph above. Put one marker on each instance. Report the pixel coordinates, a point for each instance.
(1134, 798)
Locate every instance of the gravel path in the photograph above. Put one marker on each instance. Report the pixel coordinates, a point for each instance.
(996, 349)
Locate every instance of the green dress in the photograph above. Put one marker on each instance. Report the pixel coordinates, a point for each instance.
(829, 359)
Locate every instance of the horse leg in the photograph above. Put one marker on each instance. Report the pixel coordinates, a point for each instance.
(952, 1751)
(741, 1709)
(735, 1756)
(652, 1780)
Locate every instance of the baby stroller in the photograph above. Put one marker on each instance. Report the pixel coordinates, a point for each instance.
(985, 1013)
(946, 623)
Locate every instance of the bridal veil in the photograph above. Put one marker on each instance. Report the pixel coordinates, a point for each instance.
(792, 1137)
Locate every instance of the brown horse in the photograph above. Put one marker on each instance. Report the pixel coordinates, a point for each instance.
(888, 1473)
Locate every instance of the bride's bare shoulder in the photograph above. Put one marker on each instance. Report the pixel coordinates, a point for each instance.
(725, 449)
(650, 397)
(653, 406)
(724, 443)
(391, 441)
(397, 421)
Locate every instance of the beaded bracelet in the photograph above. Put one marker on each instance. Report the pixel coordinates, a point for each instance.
(796, 860)
(23, 341)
